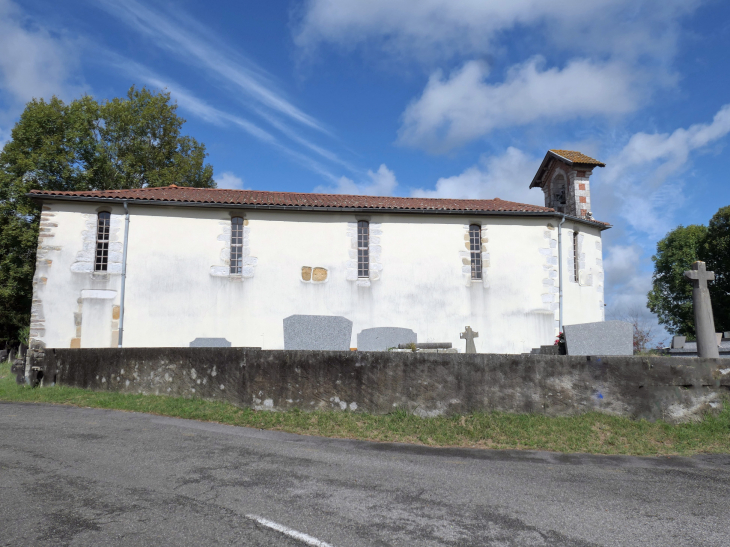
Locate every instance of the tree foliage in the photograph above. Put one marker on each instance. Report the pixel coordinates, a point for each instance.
(671, 295)
(132, 142)
(715, 251)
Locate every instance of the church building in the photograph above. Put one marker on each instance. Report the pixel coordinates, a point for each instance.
(162, 267)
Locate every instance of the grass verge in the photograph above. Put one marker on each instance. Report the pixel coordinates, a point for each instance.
(592, 433)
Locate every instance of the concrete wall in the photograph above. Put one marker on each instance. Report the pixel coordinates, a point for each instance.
(179, 287)
(670, 388)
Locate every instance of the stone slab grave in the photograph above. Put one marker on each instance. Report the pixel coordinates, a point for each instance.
(602, 338)
(317, 332)
(384, 338)
(210, 343)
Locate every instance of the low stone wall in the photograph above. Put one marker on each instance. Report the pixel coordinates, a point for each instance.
(670, 388)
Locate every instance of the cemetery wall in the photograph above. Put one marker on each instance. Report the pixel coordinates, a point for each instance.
(671, 388)
(179, 289)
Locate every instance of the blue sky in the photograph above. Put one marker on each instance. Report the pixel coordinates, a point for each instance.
(457, 98)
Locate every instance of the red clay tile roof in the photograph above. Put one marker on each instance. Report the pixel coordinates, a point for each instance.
(294, 199)
(284, 200)
(577, 157)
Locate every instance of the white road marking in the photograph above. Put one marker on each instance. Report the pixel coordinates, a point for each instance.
(309, 540)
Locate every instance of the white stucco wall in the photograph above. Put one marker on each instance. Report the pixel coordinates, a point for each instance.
(178, 288)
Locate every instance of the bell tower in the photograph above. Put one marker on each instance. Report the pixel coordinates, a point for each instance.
(564, 178)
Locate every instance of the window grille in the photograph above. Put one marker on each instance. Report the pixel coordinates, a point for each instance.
(363, 249)
(236, 245)
(575, 257)
(101, 260)
(475, 244)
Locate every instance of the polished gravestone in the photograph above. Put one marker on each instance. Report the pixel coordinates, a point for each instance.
(384, 338)
(601, 338)
(317, 332)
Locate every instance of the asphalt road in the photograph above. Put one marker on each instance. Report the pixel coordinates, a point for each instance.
(79, 477)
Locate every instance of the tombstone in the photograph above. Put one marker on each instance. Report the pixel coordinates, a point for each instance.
(18, 368)
(384, 338)
(3, 355)
(704, 322)
(317, 332)
(210, 343)
(427, 345)
(601, 338)
(678, 342)
(469, 336)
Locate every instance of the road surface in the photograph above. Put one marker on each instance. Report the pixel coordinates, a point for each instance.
(88, 477)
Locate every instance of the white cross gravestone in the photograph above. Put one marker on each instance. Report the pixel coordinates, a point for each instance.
(469, 336)
(704, 322)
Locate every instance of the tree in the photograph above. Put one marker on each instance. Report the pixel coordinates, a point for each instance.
(133, 142)
(671, 295)
(715, 251)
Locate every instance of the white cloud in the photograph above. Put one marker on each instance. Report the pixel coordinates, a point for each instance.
(644, 174)
(506, 177)
(195, 45)
(455, 110)
(621, 264)
(33, 62)
(229, 180)
(621, 52)
(430, 29)
(381, 183)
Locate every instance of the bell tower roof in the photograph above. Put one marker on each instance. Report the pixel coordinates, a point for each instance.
(572, 158)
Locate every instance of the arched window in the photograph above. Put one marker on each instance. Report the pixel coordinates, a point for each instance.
(236, 245)
(102, 241)
(363, 249)
(475, 246)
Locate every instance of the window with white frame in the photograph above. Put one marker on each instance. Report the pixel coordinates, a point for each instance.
(236, 245)
(363, 249)
(101, 260)
(475, 246)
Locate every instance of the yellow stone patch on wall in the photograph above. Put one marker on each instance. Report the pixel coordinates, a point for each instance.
(115, 312)
(320, 274)
(75, 343)
(306, 273)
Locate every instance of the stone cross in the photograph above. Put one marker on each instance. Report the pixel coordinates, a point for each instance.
(469, 336)
(704, 322)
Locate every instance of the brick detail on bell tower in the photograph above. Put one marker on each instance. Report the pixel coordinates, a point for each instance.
(566, 183)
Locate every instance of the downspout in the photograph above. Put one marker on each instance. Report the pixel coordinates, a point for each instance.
(560, 273)
(124, 274)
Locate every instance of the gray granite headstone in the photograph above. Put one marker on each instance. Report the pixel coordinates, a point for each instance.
(210, 343)
(602, 338)
(678, 342)
(317, 332)
(469, 336)
(382, 338)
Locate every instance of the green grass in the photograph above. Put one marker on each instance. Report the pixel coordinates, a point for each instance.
(589, 433)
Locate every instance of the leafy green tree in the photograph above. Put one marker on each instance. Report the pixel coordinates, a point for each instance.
(715, 251)
(671, 295)
(132, 142)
